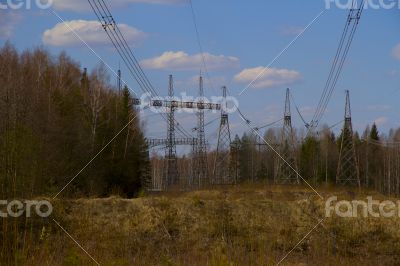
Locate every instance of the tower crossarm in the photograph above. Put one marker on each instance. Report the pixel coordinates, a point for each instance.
(151, 143)
(179, 104)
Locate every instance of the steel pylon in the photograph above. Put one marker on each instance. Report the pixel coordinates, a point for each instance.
(287, 171)
(348, 170)
(201, 171)
(222, 173)
(171, 171)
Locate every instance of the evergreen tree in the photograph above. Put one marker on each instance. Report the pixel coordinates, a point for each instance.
(309, 160)
(375, 159)
(374, 134)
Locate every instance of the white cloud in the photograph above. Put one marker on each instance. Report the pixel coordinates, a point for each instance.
(182, 61)
(90, 31)
(396, 52)
(381, 121)
(8, 23)
(270, 77)
(79, 5)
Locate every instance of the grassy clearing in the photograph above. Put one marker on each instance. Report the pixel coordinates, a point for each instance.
(246, 225)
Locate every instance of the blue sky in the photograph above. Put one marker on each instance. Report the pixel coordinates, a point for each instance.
(237, 37)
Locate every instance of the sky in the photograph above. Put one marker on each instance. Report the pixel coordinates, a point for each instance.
(238, 39)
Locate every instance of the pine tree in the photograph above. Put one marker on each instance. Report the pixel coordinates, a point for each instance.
(374, 134)
(375, 159)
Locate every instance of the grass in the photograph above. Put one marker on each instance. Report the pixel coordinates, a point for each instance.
(244, 225)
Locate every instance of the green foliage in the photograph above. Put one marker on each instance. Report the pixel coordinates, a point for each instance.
(55, 119)
(374, 134)
(375, 155)
(309, 158)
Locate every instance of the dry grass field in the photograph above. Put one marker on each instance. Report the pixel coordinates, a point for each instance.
(246, 225)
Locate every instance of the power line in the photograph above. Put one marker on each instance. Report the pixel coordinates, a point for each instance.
(307, 125)
(206, 124)
(119, 42)
(199, 43)
(352, 21)
(268, 125)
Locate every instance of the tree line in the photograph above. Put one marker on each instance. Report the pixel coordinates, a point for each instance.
(317, 157)
(56, 117)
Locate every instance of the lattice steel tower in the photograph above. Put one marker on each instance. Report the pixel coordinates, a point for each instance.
(119, 83)
(347, 171)
(171, 171)
(287, 168)
(222, 172)
(201, 178)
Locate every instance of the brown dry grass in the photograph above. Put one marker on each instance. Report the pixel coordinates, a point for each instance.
(246, 225)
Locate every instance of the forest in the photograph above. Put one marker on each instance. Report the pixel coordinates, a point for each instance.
(55, 117)
(317, 155)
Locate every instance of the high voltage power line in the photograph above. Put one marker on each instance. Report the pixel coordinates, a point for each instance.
(349, 31)
(119, 42)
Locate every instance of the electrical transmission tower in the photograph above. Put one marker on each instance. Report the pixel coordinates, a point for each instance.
(108, 23)
(347, 171)
(172, 176)
(287, 167)
(201, 150)
(119, 83)
(222, 171)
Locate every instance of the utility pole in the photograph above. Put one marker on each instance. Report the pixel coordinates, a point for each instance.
(347, 171)
(222, 172)
(287, 168)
